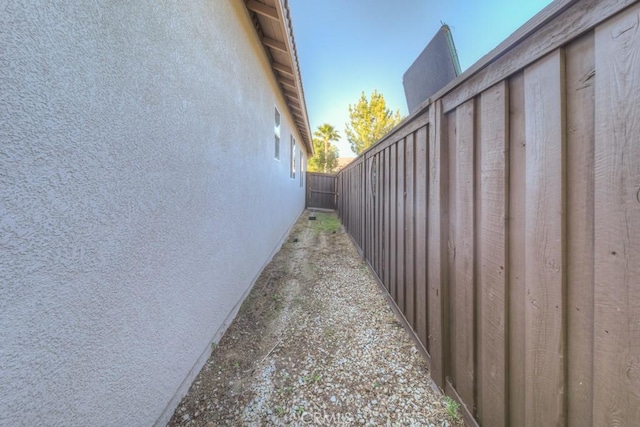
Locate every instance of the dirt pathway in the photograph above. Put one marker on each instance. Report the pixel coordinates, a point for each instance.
(314, 344)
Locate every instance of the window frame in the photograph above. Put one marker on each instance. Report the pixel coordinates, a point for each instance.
(292, 156)
(301, 169)
(277, 121)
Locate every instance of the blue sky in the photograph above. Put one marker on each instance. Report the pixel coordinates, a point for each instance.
(349, 46)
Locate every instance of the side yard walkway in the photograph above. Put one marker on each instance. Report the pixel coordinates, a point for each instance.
(314, 344)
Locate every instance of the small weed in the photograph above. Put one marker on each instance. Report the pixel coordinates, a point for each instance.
(376, 384)
(300, 410)
(326, 223)
(285, 390)
(214, 345)
(451, 406)
(311, 378)
(278, 303)
(329, 333)
(236, 364)
(298, 301)
(279, 410)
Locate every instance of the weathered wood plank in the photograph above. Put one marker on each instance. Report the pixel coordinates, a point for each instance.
(452, 241)
(544, 239)
(437, 231)
(365, 197)
(580, 69)
(617, 221)
(400, 283)
(369, 209)
(464, 253)
(421, 234)
(361, 198)
(516, 270)
(409, 194)
(378, 208)
(577, 19)
(386, 220)
(381, 201)
(263, 9)
(376, 216)
(393, 223)
(274, 44)
(361, 194)
(372, 210)
(493, 258)
(283, 69)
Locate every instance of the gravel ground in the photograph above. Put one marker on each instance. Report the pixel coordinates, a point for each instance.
(315, 343)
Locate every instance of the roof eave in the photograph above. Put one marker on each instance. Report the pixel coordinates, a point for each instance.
(287, 73)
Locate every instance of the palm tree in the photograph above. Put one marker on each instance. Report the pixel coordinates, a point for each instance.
(327, 134)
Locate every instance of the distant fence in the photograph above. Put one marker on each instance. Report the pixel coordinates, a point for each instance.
(321, 191)
(503, 219)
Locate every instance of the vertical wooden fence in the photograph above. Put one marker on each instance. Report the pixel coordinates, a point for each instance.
(503, 220)
(321, 191)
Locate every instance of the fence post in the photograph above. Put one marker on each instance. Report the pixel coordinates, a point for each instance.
(437, 272)
(364, 207)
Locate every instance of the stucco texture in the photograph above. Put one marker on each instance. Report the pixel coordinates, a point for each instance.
(139, 199)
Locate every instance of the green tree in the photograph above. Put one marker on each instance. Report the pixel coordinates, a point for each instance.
(326, 153)
(370, 120)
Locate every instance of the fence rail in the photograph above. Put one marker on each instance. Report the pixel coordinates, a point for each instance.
(503, 220)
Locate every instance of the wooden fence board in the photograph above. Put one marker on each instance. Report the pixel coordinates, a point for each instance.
(400, 283)
(359, 197)
(362, 200)
(453, 315)
(409, 241)
(580, 68)
(435, 248)
(464, 300)
(421, 234)
(393, 225)
(380, 209)
(544, 236)
(617, 225)
(386, 220)
(374, 212)
(580, 17)
(516, 271)
(493, 258)
(369, 209)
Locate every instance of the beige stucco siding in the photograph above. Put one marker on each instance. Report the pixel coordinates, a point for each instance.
(139, 199)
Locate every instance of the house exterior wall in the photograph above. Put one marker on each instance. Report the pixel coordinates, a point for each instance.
(140, 199)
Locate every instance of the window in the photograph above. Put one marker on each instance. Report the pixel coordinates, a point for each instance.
(293, 157)
(276, 135)
(301, 169)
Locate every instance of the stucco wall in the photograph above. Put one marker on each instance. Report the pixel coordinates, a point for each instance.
(139, 199)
